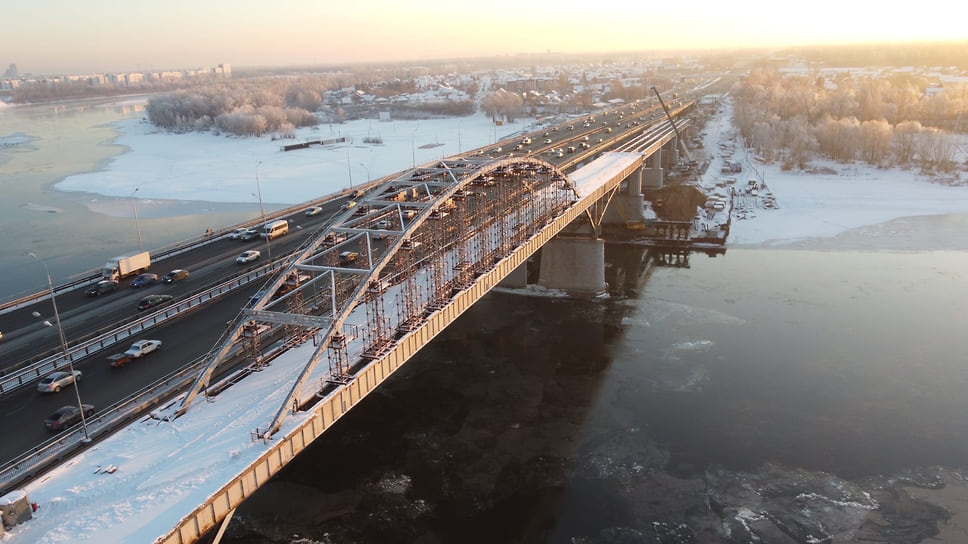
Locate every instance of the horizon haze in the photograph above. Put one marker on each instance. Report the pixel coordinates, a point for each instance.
(63, 37)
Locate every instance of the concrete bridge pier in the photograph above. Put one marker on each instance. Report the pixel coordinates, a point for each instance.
(670, 154)
(574, 265)
(518, 279)
(652, 175)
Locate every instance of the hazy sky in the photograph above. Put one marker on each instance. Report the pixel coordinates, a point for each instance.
(81, 36)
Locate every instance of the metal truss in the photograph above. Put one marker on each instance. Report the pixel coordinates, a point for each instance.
(397, 256)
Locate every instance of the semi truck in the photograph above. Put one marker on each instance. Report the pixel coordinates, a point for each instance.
(126, 265)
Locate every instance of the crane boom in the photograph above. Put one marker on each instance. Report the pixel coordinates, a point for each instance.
(669, 115)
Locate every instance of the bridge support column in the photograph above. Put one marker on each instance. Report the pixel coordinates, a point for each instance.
(670, 154)
(517, 279)
(574, 265)
(635, 183)
(652, 176)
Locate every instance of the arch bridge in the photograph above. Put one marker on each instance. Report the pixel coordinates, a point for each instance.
(355, 303)
(396, 268)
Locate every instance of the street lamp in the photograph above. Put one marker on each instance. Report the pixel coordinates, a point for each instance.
(63, 341)
(137, 224)
(258, 188)
(367, 171)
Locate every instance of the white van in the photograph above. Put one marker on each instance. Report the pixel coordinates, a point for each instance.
(275, 228)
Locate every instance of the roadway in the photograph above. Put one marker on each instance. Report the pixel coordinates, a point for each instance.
(183, 339)
(193, 335)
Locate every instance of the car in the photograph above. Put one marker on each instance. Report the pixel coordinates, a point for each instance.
(65, 416)
(53, 383)
(142, 347)
(248, 257)
(249, 234)
(315, 210)
(547, 140)
(347, 257)
(237, 233)
(349, 204)
(101, 287)
(151, 301)
(144, 280)
(118, 359)
(175, 275)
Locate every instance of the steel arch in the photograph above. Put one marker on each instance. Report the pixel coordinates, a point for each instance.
(422, 204)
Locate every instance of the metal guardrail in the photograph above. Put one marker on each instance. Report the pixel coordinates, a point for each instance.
(16, 472)
(178, 248)
(34, 372)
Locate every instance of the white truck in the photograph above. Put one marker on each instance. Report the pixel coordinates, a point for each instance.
(126, 265)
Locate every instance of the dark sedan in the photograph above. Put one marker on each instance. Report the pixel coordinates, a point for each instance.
(144, 280)
(66, 416)
(101, 287)
(151, 301)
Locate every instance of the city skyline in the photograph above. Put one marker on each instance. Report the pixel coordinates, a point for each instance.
(98, 36)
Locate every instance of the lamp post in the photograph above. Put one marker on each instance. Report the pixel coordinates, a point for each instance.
(63, 341)
(258, 188)
(349, 170)
(367, 171)
(137, 224)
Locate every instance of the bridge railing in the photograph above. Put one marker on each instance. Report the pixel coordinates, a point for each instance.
(39, 369)
(37, 460)
(86, 278)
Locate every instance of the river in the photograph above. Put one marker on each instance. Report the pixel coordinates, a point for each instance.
(765, 395)
(40, 145)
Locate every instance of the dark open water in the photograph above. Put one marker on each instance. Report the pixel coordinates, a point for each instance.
(760, 396)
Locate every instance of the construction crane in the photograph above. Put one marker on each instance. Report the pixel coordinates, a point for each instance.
(671, 120)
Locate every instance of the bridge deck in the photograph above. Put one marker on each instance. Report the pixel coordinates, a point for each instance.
(138, 484)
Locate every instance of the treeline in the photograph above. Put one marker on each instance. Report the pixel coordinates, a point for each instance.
(884, 121)
(243, 108)
(503, 104)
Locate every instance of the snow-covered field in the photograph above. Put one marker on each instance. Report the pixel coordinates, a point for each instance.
(821, 206)
(206, 167)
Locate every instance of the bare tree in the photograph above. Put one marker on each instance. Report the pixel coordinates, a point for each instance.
(906, 141)
(875, 141)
